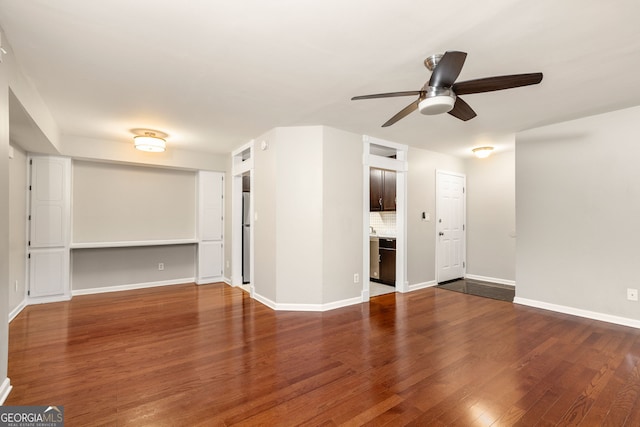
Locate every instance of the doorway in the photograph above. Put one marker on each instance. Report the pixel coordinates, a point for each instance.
(450, 226)
(242, 269)
(384, 217)
(246, 228)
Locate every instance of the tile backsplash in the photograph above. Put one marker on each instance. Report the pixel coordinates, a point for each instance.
(383, 222)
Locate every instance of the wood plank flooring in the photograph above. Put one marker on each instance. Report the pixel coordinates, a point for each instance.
(208, 355)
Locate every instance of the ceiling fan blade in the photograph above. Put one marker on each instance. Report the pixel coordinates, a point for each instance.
(489, 84)
(462, 110)
(402, 113)
(448, 69)
(387, 95)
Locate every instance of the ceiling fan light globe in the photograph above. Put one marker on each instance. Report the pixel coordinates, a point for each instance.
(436, 105)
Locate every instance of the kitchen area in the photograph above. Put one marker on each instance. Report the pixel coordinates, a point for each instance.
(382, 231)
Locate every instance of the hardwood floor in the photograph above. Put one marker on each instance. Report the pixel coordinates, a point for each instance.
(481, 289)
(208, 355)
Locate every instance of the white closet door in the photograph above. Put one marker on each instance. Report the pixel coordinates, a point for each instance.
(211, 186)
(209, 261)
(49, 202)
(48, 272)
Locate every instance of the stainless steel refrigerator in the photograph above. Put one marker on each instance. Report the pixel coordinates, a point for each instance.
(246, 237)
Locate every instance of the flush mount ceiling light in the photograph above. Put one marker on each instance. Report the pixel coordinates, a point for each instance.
(482, 152)
(149, 142)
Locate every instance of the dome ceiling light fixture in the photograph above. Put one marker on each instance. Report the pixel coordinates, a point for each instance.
(149, 142)
(482, 152)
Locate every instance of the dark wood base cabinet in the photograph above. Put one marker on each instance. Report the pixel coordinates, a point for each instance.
(387, 251)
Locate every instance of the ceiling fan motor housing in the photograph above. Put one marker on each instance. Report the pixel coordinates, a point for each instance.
(437, 101)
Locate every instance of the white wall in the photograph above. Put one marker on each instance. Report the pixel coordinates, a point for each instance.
(100, 268)
(264, 227)
(297, 198)
(421, 197)
(308, 198)
(119, 202)
(342, 215)
(577, 207)
(18, 227)
(4, 227)
(491, 217)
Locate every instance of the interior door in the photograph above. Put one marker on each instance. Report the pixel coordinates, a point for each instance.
(450, 226)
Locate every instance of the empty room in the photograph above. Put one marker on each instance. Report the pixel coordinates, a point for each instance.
(319, 213)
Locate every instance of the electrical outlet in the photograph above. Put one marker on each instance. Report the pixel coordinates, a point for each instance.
(632, 294)
(356, 278)
(227, 263)
(161, 266)
(16, 286)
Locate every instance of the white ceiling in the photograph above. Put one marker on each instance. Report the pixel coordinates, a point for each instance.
(215, 74)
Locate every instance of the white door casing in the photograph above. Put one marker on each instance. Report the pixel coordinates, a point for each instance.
(242, 163)
(398, 164)
(450, 226)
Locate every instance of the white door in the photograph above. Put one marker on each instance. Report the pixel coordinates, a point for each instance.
(211, 190)
(48, 272)
(450, 226)
(49, 228)
(209, 262)
(210, 225)
(49, 202)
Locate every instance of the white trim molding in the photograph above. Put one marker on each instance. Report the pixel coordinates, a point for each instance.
(17, 310)
(209, 280)
(132, 286)
(44, 300)
(5, 389)
(491, 279)
(603, 317)
(129, 244)
(422, 285)
(306, 307)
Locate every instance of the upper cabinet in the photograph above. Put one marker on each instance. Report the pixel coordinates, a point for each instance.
(382, 190)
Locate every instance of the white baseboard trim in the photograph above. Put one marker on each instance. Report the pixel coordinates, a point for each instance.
(132, 286)
(17, 310)
(307, 307)
(44, 300)
(342, 303)
(5, 389)
(422, 285)
(209, 280)
(491, 279)
(264, 300)
(578, 312)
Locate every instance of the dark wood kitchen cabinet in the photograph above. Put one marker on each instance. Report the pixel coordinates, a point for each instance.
(382, 190)
(387, 256)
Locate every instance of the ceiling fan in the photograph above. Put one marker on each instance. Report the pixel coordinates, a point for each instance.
(441, 93)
